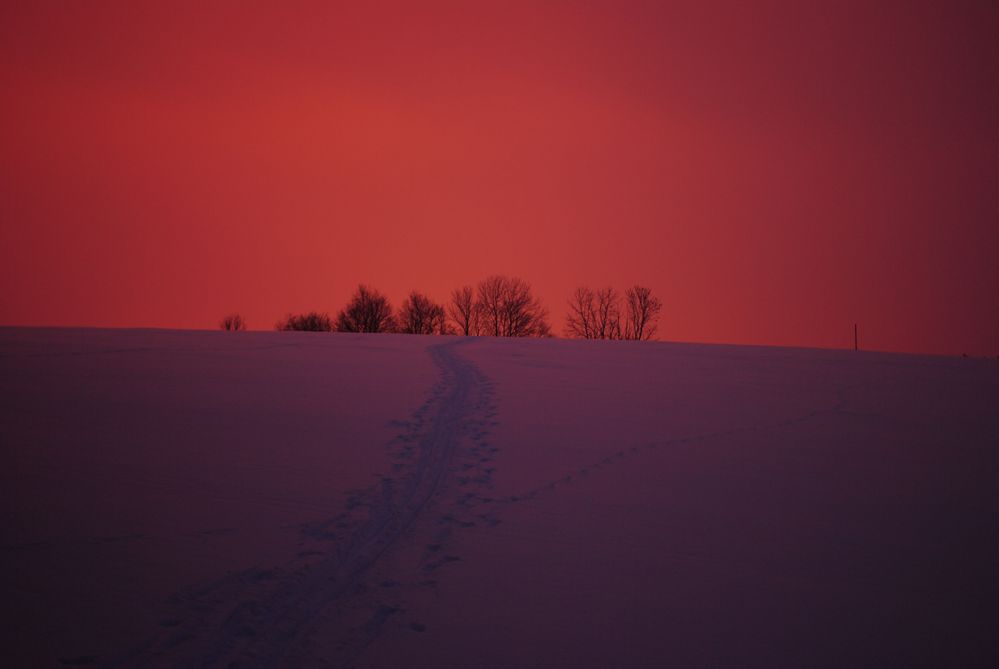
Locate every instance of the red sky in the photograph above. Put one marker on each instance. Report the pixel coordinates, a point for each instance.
(775, 171)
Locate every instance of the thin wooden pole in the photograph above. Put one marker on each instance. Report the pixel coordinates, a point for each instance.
(855, 348)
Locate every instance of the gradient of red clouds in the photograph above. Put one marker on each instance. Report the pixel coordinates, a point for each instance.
(775, 171)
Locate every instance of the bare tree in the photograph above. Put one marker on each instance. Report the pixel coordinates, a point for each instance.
(461, 309)
(582, 314)
(367, 311)
(506, 307)
(312, 321)
(594, 314)
(489, 305)
(233, 323)
(642, 315)
(421, 315)
(607, 324)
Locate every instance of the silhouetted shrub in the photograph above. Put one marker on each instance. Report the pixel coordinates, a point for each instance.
(233, 322)
(312, 321)
(421, 315)
(367, 311)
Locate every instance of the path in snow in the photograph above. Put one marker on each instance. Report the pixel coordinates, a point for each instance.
(269, 617)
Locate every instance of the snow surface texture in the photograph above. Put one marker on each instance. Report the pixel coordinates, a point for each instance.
(209, 499)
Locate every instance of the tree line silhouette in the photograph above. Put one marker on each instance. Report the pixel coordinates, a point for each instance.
(498, 306)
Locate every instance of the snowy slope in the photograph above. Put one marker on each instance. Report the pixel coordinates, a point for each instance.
(298, 499)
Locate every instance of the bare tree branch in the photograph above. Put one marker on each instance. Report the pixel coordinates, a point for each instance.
(506, 307)
(579, 321)
(367, 311)
(594, 314)
(462, 311)
(642, 313)
(421, 315)
(608, 314)
(489, 305)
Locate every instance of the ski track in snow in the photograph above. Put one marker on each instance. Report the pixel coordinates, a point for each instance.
(354, 570)
(267, 617)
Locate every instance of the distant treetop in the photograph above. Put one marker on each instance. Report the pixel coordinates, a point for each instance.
(233, 322)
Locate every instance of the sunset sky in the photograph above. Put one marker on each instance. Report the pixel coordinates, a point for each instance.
(774, 171)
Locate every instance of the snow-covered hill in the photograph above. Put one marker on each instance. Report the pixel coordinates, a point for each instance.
(304, 499)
